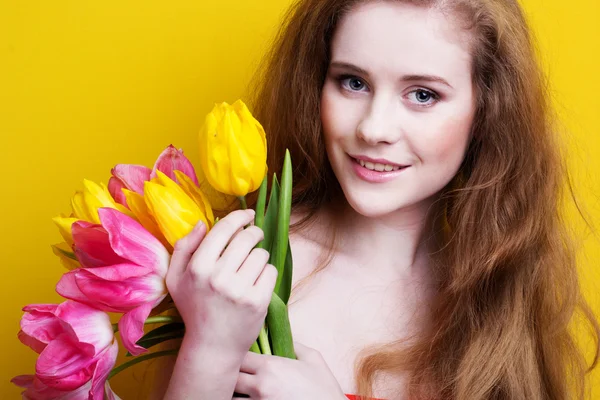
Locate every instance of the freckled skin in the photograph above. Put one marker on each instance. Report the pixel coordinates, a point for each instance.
(381, 115)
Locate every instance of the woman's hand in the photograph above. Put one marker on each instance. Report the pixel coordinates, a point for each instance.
(266, 377)
(221, 284)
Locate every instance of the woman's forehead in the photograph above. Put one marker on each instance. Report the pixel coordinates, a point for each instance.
(397, 38)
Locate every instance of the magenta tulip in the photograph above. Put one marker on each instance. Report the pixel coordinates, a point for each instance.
(132, 177)
(76, 347)
(172, 159)
(128, 176)
(37, 390)
(123, 270)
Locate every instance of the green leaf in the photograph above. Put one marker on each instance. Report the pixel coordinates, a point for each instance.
(285, 288)
(161, 334)
(161, 330)
(280, 332)
(66, 253)
(255, 348)
(281, 244)
(148, 343)
(270, 223)
(139, 359)
(260, 204)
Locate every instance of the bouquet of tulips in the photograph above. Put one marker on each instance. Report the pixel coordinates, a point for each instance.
(118, 241)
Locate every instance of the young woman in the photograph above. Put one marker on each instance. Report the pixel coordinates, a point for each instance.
(428, 239)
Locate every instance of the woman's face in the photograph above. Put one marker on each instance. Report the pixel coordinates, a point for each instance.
(398, 96)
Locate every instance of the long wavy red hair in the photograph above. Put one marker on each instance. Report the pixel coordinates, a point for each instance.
(505, 264)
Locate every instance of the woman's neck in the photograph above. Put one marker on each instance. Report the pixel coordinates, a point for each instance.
(397, 243)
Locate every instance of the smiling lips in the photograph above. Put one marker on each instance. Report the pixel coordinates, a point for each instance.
(375, 163)
(375, 172)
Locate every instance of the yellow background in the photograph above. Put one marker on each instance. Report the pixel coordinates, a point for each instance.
(85, 85)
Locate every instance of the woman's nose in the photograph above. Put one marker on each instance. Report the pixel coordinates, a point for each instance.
(380, 122)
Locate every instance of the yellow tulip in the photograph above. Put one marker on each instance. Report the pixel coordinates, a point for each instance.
(66, 255)
(64, 227)
(174, 211)
(138, 206)
(194, 192)
(233, 149)
(86, 203)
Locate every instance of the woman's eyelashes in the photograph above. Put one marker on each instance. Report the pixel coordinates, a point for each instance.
(350, 82)
(421, 97)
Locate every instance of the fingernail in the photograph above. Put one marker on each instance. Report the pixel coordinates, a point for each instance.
(251, 212)
(198, 225)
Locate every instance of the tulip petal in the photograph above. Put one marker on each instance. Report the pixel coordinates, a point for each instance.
(140, 209)
(172, 159)
(63, 366)
(84, 207)
(194, 192)
(221, 203)
(131, 328)
(86, 325)
(85, 204)
(175, 213)
(40, 323)
(64, 227)
(131, 241)
(117, 287)
(92, 246)
(114, 188)
(132, 176)
(24, 381)
(103, 367)
(233, 149)
(66, 255)
(67, 288)
(36, 390)
(33, 343)
(110, 395)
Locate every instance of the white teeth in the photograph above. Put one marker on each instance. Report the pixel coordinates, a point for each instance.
(378, 167)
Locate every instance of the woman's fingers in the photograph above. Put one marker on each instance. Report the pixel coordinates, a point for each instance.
(184, 249)
(245, 385)
(265, 284)
(220, 235)
(253, 265)
(239, 249)
(252, 362)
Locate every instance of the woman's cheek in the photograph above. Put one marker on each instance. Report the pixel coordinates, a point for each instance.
(446, 142)
(337, 115)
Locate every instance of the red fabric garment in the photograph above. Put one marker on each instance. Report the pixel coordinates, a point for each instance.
(354, 397)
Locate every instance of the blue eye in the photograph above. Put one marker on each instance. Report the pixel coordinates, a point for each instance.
(423, 96)
(354, 84)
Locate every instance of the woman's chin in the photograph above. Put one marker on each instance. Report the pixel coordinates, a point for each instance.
(372, 208)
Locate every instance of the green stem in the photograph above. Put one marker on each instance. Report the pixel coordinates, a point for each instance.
(140, 359)
(157, 319)
(255, 348)
(263, 339)
(242, 200)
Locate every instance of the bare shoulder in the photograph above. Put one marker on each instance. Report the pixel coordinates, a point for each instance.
(308, 241)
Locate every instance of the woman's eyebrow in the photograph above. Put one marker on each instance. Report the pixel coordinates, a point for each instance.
(406, 78)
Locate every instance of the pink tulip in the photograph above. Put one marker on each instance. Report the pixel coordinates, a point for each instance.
(124, 271)
(132, 177)
(37, 390)
(128, 176)
(76, 347)
(172, 159)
